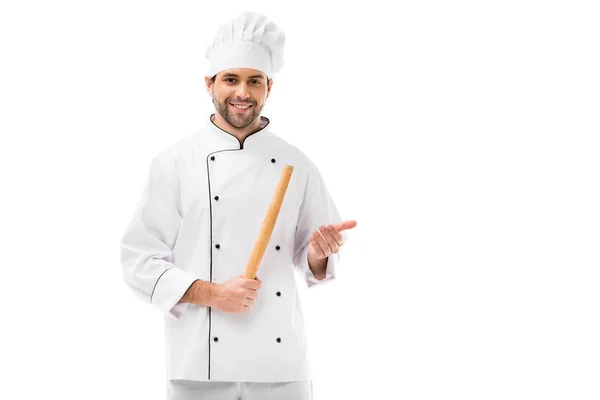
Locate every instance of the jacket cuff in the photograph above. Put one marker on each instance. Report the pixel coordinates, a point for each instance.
(169, 289)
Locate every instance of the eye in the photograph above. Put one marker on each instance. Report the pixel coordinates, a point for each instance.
(230, 79)
(257, 81)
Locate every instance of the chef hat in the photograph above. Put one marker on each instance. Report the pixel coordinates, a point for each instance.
(249, 41)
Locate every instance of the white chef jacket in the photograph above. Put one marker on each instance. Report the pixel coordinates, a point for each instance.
(199, 217)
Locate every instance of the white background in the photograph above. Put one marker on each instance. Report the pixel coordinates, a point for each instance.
(462, 136)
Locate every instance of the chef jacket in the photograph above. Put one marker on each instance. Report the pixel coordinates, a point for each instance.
(199, 217)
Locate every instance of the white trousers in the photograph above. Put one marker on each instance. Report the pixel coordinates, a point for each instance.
(181, 389)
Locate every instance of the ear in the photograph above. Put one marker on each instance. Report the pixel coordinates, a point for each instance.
(208, 82)
(269, 87)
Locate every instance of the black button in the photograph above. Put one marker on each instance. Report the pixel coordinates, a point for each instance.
(216, 339)
(218, 246)
(278, 293)
(277, 247)
(272, 160)
(278, 340)
(216, 197)
(212, 158)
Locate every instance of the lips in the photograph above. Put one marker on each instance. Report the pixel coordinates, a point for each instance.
(241, 110)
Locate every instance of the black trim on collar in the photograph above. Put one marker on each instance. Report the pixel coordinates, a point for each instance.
(268, 121)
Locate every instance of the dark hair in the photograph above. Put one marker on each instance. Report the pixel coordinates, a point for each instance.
(215, 77)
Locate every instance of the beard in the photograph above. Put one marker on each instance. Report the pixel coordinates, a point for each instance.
(233, 118)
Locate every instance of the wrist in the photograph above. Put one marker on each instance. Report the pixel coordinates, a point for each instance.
(318, 266)
(200, 292)
(212, 293)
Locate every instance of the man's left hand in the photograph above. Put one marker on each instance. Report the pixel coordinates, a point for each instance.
(327, 240)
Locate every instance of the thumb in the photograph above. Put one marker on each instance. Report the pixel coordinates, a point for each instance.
(341, 226)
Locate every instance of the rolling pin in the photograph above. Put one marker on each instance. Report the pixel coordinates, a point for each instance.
(268, 223)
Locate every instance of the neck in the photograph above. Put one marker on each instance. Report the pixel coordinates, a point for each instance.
(239, 133)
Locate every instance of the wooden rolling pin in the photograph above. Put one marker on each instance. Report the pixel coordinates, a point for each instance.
(268, 223)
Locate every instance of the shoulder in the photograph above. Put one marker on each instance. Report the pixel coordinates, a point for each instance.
(169, 158)
(179, 148)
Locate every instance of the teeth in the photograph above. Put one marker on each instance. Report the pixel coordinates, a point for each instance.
(241, 107)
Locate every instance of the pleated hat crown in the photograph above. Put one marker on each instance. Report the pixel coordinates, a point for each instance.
(249, 41)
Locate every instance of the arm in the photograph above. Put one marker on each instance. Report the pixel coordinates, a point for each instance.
(318, 267)
(146, 245)
(200, 292)
(317, 209)
(236, 295)
(324, 243)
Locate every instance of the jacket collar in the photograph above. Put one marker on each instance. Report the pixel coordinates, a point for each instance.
(224, 138)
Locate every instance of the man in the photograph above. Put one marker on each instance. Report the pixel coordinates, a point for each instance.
(186, 248)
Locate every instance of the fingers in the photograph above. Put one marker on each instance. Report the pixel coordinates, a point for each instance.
(332, 244)
(251, 292)
(327, 241)
(240, 294)
(336, 236)
(248, 302)
(320, 245)
(253, 284)
(319, 252)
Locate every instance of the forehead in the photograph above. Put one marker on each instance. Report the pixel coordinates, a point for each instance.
(242, 73)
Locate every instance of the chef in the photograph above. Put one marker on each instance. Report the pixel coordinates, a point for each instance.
(186, 248)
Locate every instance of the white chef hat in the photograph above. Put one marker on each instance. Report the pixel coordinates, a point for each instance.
(249, 41)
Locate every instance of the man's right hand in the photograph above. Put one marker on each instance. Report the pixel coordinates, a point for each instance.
(236, 295)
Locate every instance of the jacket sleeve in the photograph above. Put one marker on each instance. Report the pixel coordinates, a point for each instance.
(317, 208)
(146, 245)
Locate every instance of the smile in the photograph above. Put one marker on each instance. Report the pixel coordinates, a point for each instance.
(241, 108)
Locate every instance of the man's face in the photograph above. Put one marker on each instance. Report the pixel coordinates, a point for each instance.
(244, 87)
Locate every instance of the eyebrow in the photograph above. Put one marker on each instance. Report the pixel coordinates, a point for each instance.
(227, 75)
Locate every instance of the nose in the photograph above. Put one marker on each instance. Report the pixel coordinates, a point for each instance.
(241, 91)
